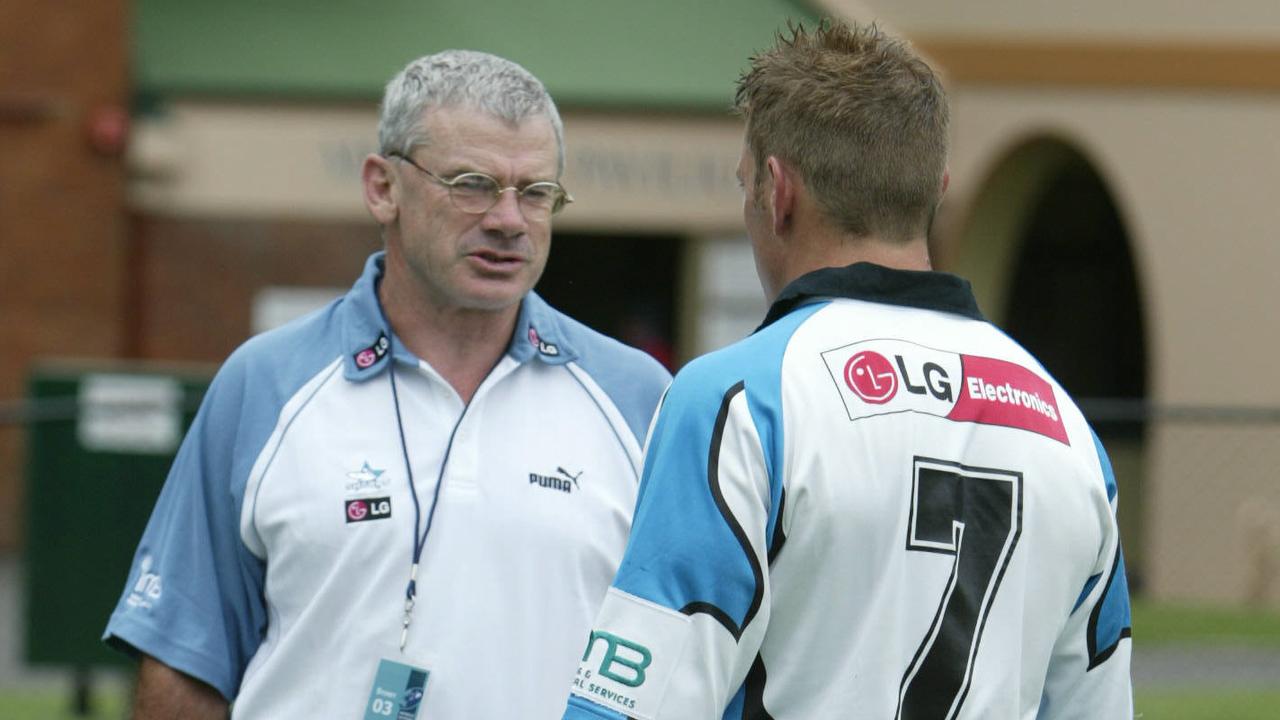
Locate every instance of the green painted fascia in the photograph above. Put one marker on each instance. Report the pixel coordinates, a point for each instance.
(670, 54)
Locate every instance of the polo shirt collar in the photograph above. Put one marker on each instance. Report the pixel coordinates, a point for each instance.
(367, 338)
(540, 333)
(923, 289)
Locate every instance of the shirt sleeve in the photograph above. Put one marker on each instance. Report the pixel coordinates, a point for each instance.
(682, 625)
(193, 599)
(1089, 675)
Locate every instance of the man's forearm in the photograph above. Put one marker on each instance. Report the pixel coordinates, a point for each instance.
(166, 694)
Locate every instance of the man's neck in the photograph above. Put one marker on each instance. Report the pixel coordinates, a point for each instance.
(463, 345)
(912, 255)
(823, 247)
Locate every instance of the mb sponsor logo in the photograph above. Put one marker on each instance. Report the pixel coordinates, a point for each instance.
(147, 590)
(623, 662)
(879, 377)
(563, 480)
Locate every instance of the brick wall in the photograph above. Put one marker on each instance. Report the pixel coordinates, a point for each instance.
(197, 279)
(62, 223)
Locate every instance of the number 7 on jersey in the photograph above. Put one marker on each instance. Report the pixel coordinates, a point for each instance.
(975, 515)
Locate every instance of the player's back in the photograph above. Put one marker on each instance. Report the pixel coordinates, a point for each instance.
(876, 506)
(946, 521)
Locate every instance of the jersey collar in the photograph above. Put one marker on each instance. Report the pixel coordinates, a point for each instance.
(368, 340)
(540, 334)
(924, 289)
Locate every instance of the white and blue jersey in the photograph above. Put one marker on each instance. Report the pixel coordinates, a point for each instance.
(876, 506)
(276, 562)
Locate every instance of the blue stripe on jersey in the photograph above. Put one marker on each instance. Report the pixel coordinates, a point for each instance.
(1088, 588)
(734, 710)
(1110, 620)
(580, 709)
(1107, 473)
(212, 616)
(684, 552)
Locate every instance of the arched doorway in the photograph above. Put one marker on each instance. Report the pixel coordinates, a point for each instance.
(1051, 260)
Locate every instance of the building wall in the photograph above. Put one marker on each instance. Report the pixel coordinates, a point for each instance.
(1175, 105)
(1230, 20)
(199, 279)
(63, 245)
(1192, 174)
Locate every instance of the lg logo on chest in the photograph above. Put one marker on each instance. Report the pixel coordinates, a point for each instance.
(365, 509)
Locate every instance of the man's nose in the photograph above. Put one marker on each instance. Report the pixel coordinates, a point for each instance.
(506, 215)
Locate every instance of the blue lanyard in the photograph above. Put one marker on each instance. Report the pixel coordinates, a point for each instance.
(418, 542)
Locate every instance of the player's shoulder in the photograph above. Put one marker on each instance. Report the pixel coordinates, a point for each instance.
(607, 360)
(596, 351)
(285, 357)
(630, 379)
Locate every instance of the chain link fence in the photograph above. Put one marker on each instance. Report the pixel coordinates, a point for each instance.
(1199, 499)
(1199, 493)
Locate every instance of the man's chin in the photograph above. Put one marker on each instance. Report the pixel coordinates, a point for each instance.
(493, 296)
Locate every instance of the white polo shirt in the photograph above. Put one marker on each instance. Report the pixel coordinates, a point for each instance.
(276, 562)
(877, 506)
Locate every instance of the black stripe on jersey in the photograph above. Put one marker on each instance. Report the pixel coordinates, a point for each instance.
(1096, 656)
(779, 537)
(753, 703)
(713, 480)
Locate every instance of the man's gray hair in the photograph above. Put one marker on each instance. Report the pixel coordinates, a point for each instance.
(465, 78)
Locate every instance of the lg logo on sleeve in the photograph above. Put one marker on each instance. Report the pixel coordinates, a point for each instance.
(368, 509)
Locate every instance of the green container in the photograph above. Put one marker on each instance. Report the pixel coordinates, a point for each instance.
(101, 439)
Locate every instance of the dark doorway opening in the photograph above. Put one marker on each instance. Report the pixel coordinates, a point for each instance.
(1074, 302)
(624, 287)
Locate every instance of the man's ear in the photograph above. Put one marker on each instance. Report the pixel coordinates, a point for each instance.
(379, 193)
(782, 193)
(946, 181)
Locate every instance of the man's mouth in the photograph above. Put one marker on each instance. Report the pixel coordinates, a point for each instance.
(496, 261)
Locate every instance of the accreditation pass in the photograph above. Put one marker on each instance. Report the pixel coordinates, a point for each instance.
(397, 691)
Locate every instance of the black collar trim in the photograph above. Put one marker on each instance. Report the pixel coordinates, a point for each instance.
(924, 289)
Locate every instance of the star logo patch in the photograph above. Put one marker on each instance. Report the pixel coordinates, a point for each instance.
(366, 479)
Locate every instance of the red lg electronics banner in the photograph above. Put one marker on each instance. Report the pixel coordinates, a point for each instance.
(995, 392)
(878, 377)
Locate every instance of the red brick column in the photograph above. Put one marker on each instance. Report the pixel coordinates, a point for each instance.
(63, 273)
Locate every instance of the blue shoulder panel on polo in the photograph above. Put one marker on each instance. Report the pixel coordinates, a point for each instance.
(631, 378)
(193, 538)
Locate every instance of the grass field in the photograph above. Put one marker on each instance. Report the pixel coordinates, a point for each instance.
(1179, 704)
(1154, 625)
(1210, 704)
(1162, 624)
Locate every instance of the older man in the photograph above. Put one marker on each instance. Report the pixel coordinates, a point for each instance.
(411, 502)
(878, 505)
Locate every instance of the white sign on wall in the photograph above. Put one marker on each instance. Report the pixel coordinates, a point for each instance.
(129, 413)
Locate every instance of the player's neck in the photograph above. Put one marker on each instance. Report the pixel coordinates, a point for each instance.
(911, 255)
(819, 246)
(461, 344)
